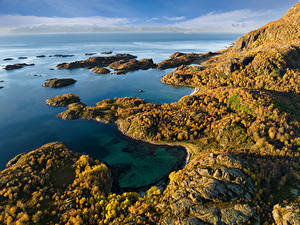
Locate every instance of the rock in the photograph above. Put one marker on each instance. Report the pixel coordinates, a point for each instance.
(51, 69)
(239, 214)
(1, 81)
(90, 53)
(100, 70)
(62, 55)
(57, 83)
(64, 100)
(179, 59)
(106, 52)
(206, 214)
(98, 61)
(1, 87)
(75, 111)
(140, 91)
(125, 66)
(22, 57)
(8, 59)
(211, 189)
(17, 66)
(41, 56)
(286, 214)
(14, 160)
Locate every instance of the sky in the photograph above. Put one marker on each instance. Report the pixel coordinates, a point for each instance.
(235, 16)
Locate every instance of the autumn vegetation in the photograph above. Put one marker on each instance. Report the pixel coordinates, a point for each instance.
(241, 128)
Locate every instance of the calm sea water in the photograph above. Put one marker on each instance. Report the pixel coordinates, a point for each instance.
(26, 122)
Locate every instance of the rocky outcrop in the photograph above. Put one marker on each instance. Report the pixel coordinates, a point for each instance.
(57, 83)
(17, 66)
(95, 61)
(286, 214)
(179, 59)
(125, 66)
(100, 70)
(64, 100)
(211, 189)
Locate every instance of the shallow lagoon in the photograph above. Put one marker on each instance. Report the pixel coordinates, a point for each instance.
(26, 122)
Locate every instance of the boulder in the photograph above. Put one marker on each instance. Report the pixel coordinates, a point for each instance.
(64, 100)
(57, 83)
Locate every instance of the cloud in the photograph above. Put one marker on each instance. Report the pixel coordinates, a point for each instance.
(232, 21)
(166, 18)
(21, 21)
(178, 18)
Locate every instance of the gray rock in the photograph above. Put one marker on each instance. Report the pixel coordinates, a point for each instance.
(286, 215)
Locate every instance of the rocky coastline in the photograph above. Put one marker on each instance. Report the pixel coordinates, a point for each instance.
(240, 128)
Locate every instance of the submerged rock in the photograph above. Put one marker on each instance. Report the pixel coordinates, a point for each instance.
(8, 59)
(41, 56)
(22, 57)
(17, 66)
(90, 53)
(64, 100)
(98, 61)
(100, 70)
(57, 83)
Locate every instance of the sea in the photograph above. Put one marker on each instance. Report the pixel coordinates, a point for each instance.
(26, 122)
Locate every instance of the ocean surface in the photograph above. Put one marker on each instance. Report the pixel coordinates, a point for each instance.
(26, 122)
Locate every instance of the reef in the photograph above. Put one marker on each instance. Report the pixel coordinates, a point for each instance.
(58, 83)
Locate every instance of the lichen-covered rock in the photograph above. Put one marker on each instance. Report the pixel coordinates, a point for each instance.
(63, 100)
(58, 83)
(100, 70)
(214, 189)
(286, 214)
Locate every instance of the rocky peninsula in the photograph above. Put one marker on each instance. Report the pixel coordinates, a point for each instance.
(241, 129)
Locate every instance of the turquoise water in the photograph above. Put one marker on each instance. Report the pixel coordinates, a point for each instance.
(26, 122)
